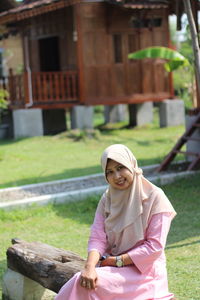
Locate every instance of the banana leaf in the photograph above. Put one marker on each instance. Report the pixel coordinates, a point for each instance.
(175, 59)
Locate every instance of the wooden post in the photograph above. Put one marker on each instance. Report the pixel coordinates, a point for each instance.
(80, 63)
(11, 87)
(195, 41)
(195, 13)
(26, 88)
(170, 76)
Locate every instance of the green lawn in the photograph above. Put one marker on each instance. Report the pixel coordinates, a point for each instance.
(72, 154)
(67, 226)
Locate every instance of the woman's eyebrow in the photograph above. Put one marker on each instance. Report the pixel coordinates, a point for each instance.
(116, 166)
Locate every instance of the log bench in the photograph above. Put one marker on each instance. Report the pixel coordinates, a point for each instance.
(35, 267)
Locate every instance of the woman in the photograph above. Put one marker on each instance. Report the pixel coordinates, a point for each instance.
(126, 259)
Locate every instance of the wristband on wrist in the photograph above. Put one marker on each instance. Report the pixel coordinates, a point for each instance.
(103, 257)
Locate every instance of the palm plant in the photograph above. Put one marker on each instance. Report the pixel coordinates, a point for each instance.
(173, 59)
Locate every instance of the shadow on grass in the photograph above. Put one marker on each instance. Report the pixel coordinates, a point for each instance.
(69, 173)
(184, 196)
(183, 245)
(10, 141)
(3, 268)
(82, 211)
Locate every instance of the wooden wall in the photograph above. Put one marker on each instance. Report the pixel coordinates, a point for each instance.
(12, 55)
(108, 74)
(95, 50)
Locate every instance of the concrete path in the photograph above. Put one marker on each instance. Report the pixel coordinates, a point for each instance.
(74, 189)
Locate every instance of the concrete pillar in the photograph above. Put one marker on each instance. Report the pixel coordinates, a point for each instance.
(172, 113)
(4, 131)
(140, 114)
(192, 146)
(82, 117)
(115, 113)
(54, 121)
(7, 119)
(18, 287)
(27, 122)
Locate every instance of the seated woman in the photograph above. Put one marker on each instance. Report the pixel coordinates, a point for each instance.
(126, 259)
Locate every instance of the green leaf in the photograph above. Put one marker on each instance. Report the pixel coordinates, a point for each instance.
(3, 100)
(175, 59)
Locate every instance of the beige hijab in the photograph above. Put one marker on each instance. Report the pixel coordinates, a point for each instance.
(127, 212)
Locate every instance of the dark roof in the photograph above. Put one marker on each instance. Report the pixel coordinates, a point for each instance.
(7, 4)
(31, 8)
(27, 10)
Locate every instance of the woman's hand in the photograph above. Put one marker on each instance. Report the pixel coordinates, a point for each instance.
(108, 261)
(111, 261)
(88, 278)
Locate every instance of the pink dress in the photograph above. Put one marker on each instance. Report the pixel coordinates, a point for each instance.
(146, 279)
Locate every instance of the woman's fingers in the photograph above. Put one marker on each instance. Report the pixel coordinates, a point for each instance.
(88, 279)
(88, 284)
(83, 282)
(93, 283)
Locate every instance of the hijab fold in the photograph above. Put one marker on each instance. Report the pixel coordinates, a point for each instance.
(128, 211)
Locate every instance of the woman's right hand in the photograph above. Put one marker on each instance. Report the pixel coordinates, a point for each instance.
(88, 278)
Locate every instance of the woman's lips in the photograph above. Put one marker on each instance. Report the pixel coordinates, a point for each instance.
(121, 182)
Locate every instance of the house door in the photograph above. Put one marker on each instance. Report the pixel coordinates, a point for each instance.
(49, 54)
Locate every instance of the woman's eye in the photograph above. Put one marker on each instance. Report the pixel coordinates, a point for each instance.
(119, 168)
(108, 172)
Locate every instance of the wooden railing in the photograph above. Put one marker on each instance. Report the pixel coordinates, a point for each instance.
(54, 86)
(14, 84)
(39, 89)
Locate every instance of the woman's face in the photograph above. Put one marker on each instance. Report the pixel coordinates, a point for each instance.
(118, 176)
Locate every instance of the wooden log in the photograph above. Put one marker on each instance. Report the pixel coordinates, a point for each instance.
(49, 266)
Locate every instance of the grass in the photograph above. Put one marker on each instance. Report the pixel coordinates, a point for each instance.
(74, 153)
(67, 226)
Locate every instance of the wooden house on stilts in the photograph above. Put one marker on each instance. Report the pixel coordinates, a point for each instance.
(75, 56)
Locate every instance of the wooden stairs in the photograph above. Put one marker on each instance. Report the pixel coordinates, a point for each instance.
(187, 136)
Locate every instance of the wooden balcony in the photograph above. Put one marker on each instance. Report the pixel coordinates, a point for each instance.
(42, 89)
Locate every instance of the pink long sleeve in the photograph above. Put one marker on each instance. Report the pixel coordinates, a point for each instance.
(144, 255)
(146, 252)
(97, 240)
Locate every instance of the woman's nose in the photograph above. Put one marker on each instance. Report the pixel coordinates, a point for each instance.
(117, 174)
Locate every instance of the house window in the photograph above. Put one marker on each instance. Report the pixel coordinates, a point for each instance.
(146, 23)
(117, 46)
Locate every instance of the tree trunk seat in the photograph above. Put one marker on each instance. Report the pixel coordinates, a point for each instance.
(49, 266)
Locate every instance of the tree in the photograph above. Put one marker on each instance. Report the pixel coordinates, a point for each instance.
(194, 36)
